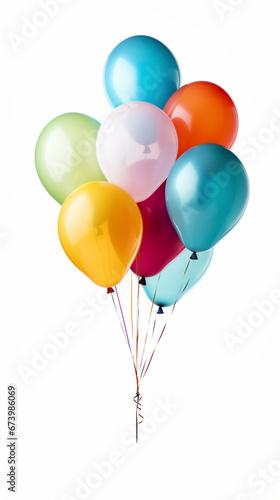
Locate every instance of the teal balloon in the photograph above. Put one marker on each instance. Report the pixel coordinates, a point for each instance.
(207, 192)
(169, 281)
(141, 68)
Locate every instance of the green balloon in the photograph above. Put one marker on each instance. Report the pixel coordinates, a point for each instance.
(65, 154)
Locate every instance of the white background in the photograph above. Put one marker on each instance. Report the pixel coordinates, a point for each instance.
(224, 433)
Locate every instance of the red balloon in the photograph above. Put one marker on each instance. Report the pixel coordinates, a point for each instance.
(202, 112)
(160, 244)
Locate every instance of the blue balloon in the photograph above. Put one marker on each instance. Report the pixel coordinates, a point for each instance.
(141, 68)
(169, 281)
(207, 192)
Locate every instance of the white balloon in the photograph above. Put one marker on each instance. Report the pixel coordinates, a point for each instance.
(137, 146)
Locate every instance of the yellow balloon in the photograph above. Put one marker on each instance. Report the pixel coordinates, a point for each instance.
(100, 229)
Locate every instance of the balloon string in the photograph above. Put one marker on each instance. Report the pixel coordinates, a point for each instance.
(149, 321)
(164, 328)
(137, 399)
(124, 323)
(137, 326)
(123, 327)
(153, 333)
(185, 287)
(131, 302)
(137, 308)
(138, 396)
(154, 327)
(97, 234)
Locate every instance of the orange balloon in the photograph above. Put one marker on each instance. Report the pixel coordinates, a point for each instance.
(202, 112)
(100, 229)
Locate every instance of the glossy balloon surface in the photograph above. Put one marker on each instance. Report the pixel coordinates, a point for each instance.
(65, 154)
(141, 68)
(203, 112)
(100, 228)
(169, 282)
(207, 192)
(137, 146)
(160, 244)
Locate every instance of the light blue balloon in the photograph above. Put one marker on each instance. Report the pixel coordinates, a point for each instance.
(207, 192)
(169, 281)
(141, 68)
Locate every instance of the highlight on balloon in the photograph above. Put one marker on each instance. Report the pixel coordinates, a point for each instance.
(149, 192)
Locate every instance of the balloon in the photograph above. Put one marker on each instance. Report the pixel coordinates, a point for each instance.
(160, 244)
(202, 112)
(207, 192)
(169, 282)
(136, 148)
(141, 68)
(65, 154)
(100, 229)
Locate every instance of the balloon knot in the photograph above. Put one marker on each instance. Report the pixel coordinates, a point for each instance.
(160, 310)
(110, 290)
(194, 256)
(142, 281)
(147, 150)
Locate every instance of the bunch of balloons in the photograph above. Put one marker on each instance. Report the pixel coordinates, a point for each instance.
(153, 188)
